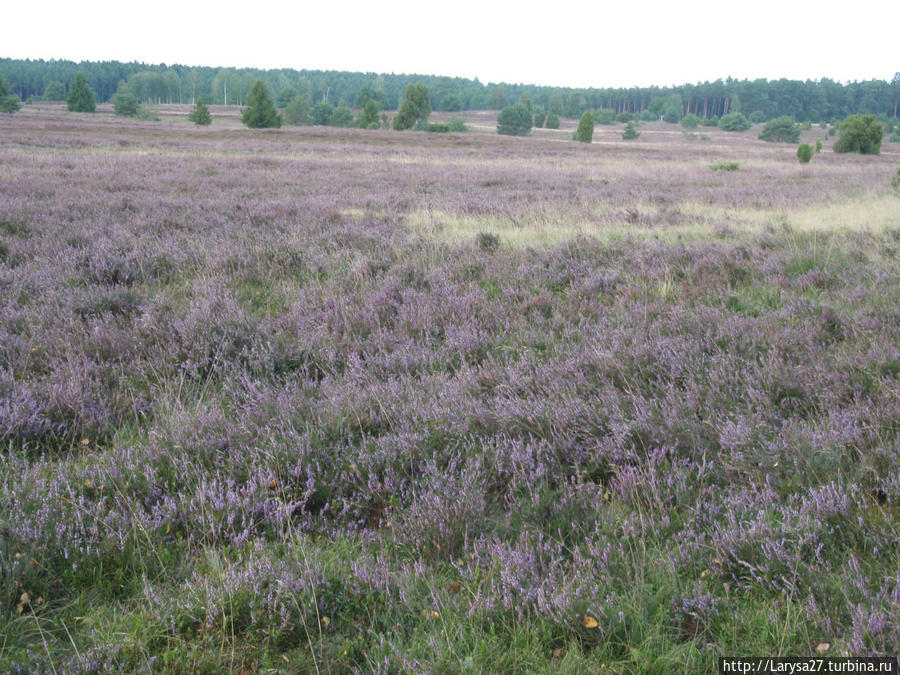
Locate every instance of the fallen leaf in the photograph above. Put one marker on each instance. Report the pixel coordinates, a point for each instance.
(823, 647)
(704, 574)
(85, 441)
(453, 587)
(590, 622)
(557, 652)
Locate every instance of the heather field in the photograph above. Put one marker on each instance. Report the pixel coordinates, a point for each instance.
(334, 400)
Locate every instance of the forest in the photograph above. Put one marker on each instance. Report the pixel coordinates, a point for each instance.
(810, 100)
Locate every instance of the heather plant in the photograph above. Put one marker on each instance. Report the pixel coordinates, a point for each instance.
(500, 408)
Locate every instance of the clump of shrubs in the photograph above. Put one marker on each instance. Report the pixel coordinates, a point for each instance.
(457, 123)
(488, 241)
(725, 166)
(438, 128)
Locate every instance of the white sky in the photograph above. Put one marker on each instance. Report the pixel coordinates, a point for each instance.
(597, 44)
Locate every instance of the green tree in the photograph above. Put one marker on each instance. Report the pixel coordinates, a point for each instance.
(861, 134)
(497, 98)
(415, 109)
(630, 132)
(285, 96)
(539, 117)
(585, 131)
(260, 112)
(804, 153)
(80, 98)
(781, 130)
(321, 112)
(54, 91)
(297, 111)
(8, 103)
(514, 120)
(553, 121)
(341, 117)
(674, 110)
(734, 122)
(368, 118)
(125, 103)
(200, 114)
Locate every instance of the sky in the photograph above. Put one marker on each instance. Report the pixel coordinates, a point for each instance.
(571, 44)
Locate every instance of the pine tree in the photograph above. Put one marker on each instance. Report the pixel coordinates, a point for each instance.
(630, 132)
(80, 98)
(200, 114)
(368, 118)
(260, 111)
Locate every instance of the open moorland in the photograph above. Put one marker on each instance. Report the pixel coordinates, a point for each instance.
(333, 400)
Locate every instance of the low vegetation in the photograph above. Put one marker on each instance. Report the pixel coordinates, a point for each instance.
(329, 400)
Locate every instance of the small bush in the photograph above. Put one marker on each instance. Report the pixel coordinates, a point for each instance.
(438, 128)
(457, 123)
(648, 116)
(200, 114)
(625, 117)
(146, 114)
(690, 121)
(711, 122)
(781, 130)
(605, 117)
(539, 118)
(818, 146)
(552, 121)
(805, 153)
(894, 137)
(488, 241)
(734, 122)
(514, 120)
(725, 166)
(630, 132)
(895, 181)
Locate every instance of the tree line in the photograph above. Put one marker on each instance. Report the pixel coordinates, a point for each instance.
(810, 100)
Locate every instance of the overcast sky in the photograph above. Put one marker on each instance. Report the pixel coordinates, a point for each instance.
(573, 44)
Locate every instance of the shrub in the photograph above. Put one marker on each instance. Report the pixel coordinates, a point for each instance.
(80, 98)
(8, 103)
(648, 116)
(451, 103)
(553, 121)
(368, 116)
(690, 121)
(146, 114)
(895, 181)
(625, 117)
(894, 137)
(757, 116)
(782, 130)
(125, 103)
(415, 109)
(514, 120)
(321, 112)
(630, 132)
(260, 112)
(605, 117)
(805, 153)
(725, 166)
(488, 241)
(585, 131)
(860, 134)
(710, 122)
(341, 117)
(818, 146)
(457, 123)
(54, 91)
(539, 117)
(298, 111)
(200, 114)
(438, 128)
(734, 122)
(831, 132)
